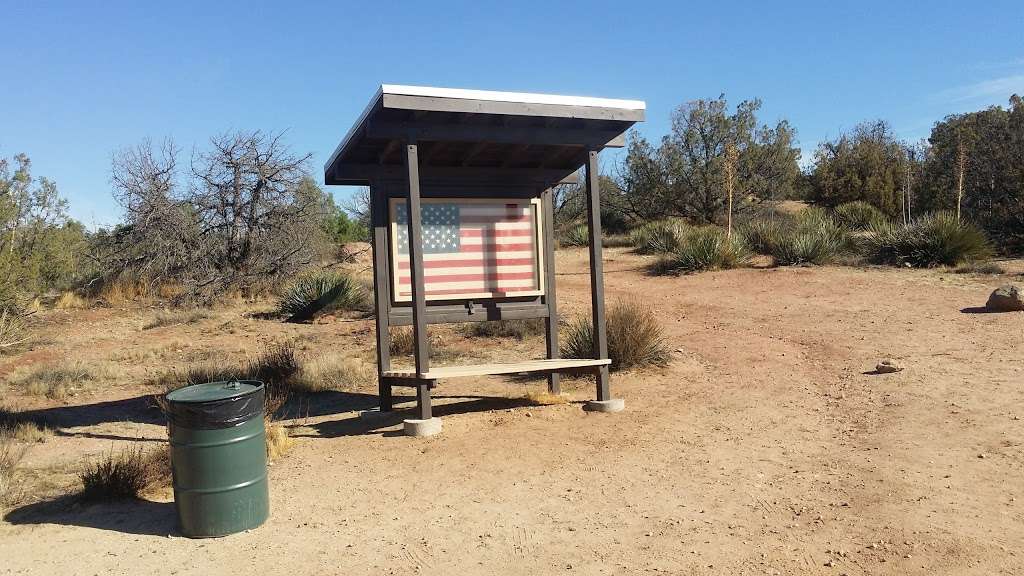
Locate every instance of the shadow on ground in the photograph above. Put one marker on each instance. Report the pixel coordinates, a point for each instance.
(141, 517)
(983, 310)
(355, 425)
(140, 410)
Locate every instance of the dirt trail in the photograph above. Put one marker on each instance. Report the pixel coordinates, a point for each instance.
(765, 448)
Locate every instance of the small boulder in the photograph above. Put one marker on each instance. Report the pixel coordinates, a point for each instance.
(1008, 298)
(888, 366)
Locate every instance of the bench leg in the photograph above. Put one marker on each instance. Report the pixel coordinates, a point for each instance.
(384, 395)
(603, 388)
(604, 402)
(425, 424)
(423, 401)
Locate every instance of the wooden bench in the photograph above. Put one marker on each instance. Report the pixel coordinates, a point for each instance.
(427, 380)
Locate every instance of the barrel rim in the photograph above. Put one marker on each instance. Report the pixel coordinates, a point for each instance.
(257, 386)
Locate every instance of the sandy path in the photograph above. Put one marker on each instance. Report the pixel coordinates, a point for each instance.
(763, 449)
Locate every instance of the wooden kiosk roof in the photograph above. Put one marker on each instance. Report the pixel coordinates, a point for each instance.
(470, 133)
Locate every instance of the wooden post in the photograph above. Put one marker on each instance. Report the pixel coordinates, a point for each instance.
(419, 296)
(381, 286)
(423, 408)
(551, 322)
(597, 273)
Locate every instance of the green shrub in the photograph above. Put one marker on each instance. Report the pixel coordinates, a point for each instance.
(765, 233)
(812, 236)
(518, 329)
(333, 290)
(576, 235)
(858, 215)
(705, 248)
(936, 239)
(635, 339)
(816, 238)
(658, 237)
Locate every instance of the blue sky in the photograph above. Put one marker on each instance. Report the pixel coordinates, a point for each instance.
(83, 79)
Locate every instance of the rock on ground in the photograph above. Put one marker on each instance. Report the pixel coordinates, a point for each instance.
(1006, 298)
(888, 366)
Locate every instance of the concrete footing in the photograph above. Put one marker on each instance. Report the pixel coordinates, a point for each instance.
(613, 405)
(422, 427)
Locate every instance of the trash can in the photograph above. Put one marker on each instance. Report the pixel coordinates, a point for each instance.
(218, 457)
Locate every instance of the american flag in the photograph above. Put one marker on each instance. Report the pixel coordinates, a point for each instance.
(471, 248)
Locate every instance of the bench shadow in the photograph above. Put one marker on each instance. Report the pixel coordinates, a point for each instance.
(141, 517)
(382, 423)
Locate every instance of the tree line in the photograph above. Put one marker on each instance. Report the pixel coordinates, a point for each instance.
(242, 215)
(243, 212)
(972, 165)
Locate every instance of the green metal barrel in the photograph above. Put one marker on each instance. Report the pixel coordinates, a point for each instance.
(219, 457)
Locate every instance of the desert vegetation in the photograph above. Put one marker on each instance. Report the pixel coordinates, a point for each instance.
(635, 337)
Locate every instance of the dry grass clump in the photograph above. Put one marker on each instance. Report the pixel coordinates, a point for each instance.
(70, 301)
(58, 381)
(545, 398)
(13, 329)
(518, 329)
(276, 367)
(705, 248)
(124, 475)
(403, 342)
(22, 428)
(278, 441)
(11, 453)
(31, 433)
(635, 339)
(334, 372)
(985, 268)
(175, 318)
(122, 291)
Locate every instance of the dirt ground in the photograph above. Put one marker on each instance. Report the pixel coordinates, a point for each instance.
(766, 447)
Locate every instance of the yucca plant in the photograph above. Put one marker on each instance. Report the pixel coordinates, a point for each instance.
(658, 237)
(937, 239)
(815, 238)
(858, 215)
(576, 235)
(322, 291)
(635, 339)
(764, 234)
(706, 248)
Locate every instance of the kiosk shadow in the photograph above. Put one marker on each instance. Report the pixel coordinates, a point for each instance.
(140, 409)
(141, 517)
